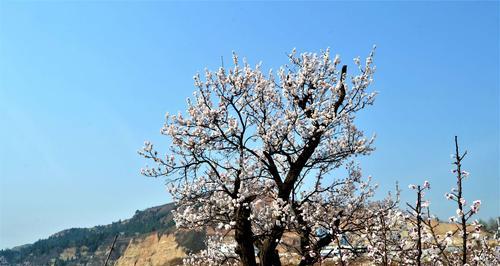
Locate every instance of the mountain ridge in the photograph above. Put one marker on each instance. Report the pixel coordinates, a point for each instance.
(90, 246)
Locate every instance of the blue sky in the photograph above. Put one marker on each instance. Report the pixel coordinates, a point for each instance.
(83, 84)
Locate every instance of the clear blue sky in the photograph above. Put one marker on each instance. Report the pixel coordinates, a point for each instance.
(83, 84)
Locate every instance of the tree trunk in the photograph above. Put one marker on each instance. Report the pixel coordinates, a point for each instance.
(268, 255)
(305, 240)
(305, 245)
(244, 237)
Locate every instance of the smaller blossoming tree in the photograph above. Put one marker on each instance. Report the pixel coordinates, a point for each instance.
(411, 238)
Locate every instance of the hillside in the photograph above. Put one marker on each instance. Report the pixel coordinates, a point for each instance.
(152, 229)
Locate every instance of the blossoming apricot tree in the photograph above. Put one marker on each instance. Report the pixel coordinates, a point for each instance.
(254, 155)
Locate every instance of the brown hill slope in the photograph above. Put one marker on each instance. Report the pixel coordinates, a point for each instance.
(152, 230)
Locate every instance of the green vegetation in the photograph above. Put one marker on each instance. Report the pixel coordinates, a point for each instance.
(191, 241)
(491, 225)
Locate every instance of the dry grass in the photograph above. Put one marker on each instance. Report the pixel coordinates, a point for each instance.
(152, 251)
